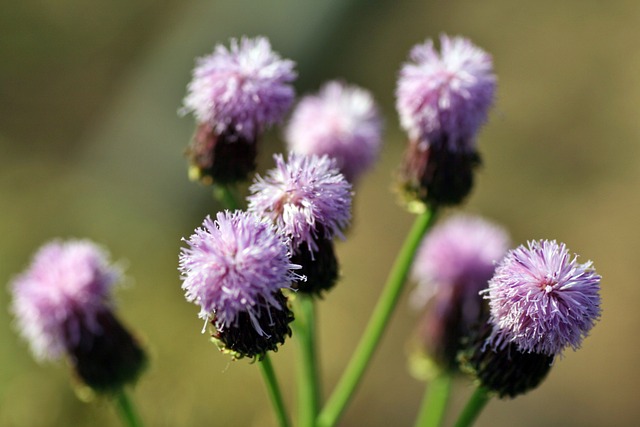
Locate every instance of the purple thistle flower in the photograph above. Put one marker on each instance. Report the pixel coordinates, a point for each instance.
(237, 265)
(306, 197)
(67, 285)
(342, 122)
(63, 305)
(242, 89)
(453, 264)
(446, 97)
(542, 299)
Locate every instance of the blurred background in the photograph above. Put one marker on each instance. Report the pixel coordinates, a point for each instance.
(91, 146)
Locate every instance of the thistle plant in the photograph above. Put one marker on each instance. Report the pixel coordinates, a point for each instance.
(490, 315)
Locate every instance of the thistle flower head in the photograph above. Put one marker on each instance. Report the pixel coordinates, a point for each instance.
(306, 197)
(542, 299)
(236, 265)
(342, 122)
(446, 96)
(242, 89)
(459, 252)
(60, 296)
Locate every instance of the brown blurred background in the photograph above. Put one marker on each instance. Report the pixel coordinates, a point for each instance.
(91, 146)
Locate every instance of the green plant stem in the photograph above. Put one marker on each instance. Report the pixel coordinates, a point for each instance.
(127, 410)
(475, 405)
(273, 389)
(434, 404)
(379, 319)
(308, 377)
(225, 194)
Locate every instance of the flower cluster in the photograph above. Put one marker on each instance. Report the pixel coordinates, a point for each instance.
(501, 315)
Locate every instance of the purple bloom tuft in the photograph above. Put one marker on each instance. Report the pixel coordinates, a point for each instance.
(242, 89)
(61, 296)
(342, 122)
(306, 197)
(460, 252)
(446, 97)
(542, 300)
(454, 263)
(236, 265)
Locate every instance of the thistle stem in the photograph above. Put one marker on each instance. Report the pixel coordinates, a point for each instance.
(474, 406)
(127, 410)
(308, 377)
(225, 194)
(379, 319)
(435, 401)
(273, 389)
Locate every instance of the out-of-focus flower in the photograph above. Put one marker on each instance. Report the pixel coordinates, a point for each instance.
(309, 200)
(342, 122)
(234, 268)
(235, 94)
(542, 299)
(63, 305)
(442, 100)
(453, 264)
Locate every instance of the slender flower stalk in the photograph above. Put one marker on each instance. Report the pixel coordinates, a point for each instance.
(273, 389)
(435, 401)
(308, 369)
(127, 410)
(474, 407)
(380, 317)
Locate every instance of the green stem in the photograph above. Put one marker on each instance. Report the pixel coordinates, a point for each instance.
(308, 378)
(435, 401)
(273, 389)
(127, 410)
(225, 194)
(475, 405)
(376, 326)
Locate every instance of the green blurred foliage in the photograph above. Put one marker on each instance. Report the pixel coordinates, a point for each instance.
(91, 146)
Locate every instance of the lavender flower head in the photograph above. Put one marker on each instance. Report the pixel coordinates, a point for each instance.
(236, 264)
(455, 261)
(447, 95)
(542, 299)
(306, 197)
(242, 89)
(460, 252)
(342, 122)
(62, 293)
